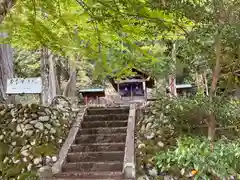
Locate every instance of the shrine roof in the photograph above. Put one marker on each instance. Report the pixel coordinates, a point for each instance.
(139, 75)
(91, 90)
(181, 86)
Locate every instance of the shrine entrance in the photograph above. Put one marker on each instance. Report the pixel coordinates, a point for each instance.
(133, 88)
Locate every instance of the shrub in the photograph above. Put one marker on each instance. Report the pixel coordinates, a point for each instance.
(211, 159)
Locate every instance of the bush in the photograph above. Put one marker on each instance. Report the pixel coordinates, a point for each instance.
(190, 114)
(211, 159)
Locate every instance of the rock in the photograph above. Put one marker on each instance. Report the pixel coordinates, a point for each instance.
(6, 159)
(149, 136)
(140, 146)
(143, 178)
(13, 133)
(16, 161)
(45, 172)
(165, 121)
(160, 144)
(24, 159)
(37, 161)
(160, 132)
(29, 133)
(33, 122)
(149, 125)
(25, 153)
(153, 172)
(54, 158)
(33, 142)
(26, 121)
(28, 126)
(14, 120)
(13, 112)
(57, 123)
(44, 118)
(41, 113)
(34, 116)
(26, 115)
(47, 111)
(170, 178)
(18, 128)
(48, 159)
(29, 167)
(1, 137)
(39, 126)
(48, 126)
(2, 112)
(25, 147)
(142, 128)
(53, 131)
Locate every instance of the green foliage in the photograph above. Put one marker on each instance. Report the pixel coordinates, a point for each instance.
(26, 63)
(190, 114)
(210, 159)
(91, 29)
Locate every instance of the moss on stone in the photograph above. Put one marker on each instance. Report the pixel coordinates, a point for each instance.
(25, 140)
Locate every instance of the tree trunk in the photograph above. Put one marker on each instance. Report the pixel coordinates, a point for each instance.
(49, 79)
(6, 66)
(215, 77)
(70, 88)
(5, 6)
(44, 75)
(172, 76)
(72, 64)
(216, 69)
(212, 124)
(58, 76)
(200, 83)
(205, 82)
(52, 79)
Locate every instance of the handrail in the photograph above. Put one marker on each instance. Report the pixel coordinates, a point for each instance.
(129, 169)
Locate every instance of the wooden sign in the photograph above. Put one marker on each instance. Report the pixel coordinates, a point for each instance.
(24, 86)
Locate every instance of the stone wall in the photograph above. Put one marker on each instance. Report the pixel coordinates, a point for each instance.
(151, 138)
(30, 137)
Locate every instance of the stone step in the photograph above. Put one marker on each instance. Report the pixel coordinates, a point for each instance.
(106, 117)
(107, 110)
(102, 130)
(93, 147)
(66, 178)
(119, 178)
(90, 175)
(104, 124)
(95, 156)
(93, 166)
(101, 138)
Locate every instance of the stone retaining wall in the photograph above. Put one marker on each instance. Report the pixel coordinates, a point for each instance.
(30, 137)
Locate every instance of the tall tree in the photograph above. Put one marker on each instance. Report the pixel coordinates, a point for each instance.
(6, 59)
(6, 66)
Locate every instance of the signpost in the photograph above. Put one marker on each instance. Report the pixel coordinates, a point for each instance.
(24, 86)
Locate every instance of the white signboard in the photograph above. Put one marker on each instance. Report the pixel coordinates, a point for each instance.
(24, 86)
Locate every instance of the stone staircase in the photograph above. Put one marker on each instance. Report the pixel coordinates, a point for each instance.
(98, 150)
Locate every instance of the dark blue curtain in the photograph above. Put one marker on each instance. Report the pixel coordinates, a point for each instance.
(136, 88)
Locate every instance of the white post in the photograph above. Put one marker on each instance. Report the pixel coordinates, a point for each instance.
(144, 90)
(172, 76)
